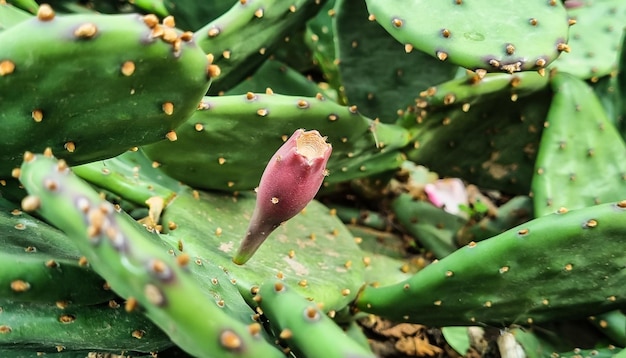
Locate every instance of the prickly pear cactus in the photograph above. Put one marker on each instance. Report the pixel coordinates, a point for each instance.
(241, 38)
(280, 78)
(476, 34)
(466, 118)
(434, 228)
(578, 161)
(296, 319)
(132, 176)
(364, 49)
(26, 5)
(313, 252)
(10, 15)
(595, 40)
(80, 277)
(57, 327)
(41, 264)
(191, 15)
(320, 37)
(139, 266)
(110, 82)
(578, 265)
(213, 146)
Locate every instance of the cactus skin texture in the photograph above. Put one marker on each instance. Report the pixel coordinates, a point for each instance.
(49, 328)
(123, 86)
(612, 324)
(562, 265)
(514, 212)
(136, 263)
(434, 228)
(27, 5)
(466, 119)
(290, 181)
(191, 15)
(296, 319)
(280, 78)
(132, 176)
(313, 252)
(320, 37)
(477, 35)
(595, 40)
(11, 15)
(378, 86)
(213, 146)
(578, 162)
(245, 35)
(40, 264)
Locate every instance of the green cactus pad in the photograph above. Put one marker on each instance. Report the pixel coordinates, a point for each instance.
(38, 263)
(191, 15)
(296, 320)
(512, 36)
(105, 327)
(33, 353)
(245, 35)
(280, 78)
(101, 84)
(464, 129)
(619, 88)
(472, 89)
(608, 91)
(152, 7)
(313, 252)
(138, 264)
(376, 72)
(226, 144)
(595, 40)
(605, 352)
(11, 15)
(432, 227)
(567, 264)
(514, 212)
(578, 143)
(384, 256)
(132, 176)
(27, 5)
(612, 324)
(320, 37)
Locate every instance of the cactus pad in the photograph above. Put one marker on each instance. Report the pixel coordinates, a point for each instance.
(241, 38)
(568, 264)
(595, 40)
(512, 36)
(313, 252)
(10, 15)
(465, 119)
(578, 162)
(227, 143)
(110, 82)
(295, 320)
(363, 46)
(51, 328)
(40, 264)
(138, 265)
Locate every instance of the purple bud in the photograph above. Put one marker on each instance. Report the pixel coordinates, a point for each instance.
(290, 181)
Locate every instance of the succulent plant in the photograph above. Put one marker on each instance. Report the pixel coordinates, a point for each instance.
(143, 235)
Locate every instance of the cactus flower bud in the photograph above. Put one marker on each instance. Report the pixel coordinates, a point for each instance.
(290, 181)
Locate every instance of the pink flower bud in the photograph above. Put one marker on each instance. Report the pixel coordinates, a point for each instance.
(448, 194)
(290, 181)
